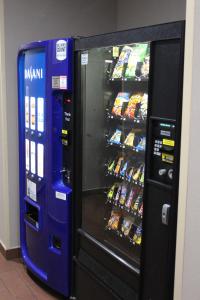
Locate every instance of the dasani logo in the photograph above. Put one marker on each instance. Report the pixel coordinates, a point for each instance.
(32, 73)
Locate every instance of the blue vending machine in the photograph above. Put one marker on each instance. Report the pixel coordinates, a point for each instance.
(45, 84)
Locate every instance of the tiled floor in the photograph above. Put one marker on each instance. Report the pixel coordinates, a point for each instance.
(16, 283)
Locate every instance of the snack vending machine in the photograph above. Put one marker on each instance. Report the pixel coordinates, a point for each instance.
(45, 82)
(128, 97)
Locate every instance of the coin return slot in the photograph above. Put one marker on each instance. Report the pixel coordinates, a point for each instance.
(56, 243)
(32, 214)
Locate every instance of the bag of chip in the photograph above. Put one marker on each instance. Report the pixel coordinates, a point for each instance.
(138, 201)
(123, 59)
(136, 58)
(123, 169)
(129, 141)
(141, 145)
(133, 106)
(140, 212)
(137, 237)
(131, 196)
(120, 101)
(111, 166)
(113, 222)
(138, 173)
(142, 113)
(129, 173)
(118, 166)
(118, 194)
(122, 199)
(126, 226)
(116, 137)
(145, 68)
(111, 192)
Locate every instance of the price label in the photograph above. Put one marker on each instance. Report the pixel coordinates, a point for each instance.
(115, 51)
(168, 158)
(168, 142)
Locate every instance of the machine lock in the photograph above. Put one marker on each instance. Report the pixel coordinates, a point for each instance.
(165, 214)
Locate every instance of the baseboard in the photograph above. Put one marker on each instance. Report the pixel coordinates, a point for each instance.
(10, 253)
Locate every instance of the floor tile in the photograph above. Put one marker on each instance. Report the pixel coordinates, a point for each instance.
(18, 284)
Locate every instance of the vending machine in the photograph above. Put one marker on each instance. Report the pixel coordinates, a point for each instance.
(45, 83)
(127, 146)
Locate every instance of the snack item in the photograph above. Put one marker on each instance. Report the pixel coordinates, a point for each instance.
(111, 192)
(126, 226)
(123, 170)
(133, 106)
(120, 100)
(113, 222)
(123, 58)
(143, 107)
(138, 173)
(141, 145)
(136, 60)
(116, 137)
(131, 196)
(111, 166)
(142, 175)
(137, 237)
(129, 173)
(122, 199)
(118, 166)
(129, 141)
(145, 68)
(137, 202)
(140, 212)
(118, 194)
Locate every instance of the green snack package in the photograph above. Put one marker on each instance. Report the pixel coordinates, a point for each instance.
(111, 166)
(137, 56)
(111, 192)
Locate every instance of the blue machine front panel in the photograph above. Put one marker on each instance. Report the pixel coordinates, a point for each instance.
(45, 152)
(34, 72)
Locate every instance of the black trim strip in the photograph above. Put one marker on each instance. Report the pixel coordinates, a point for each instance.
(162, 119)
(161, 185)
(108, 251)
(149, 33)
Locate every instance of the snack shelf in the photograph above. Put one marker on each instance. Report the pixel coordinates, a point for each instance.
(132, 212)
(120, 234)
(138, 121)
(124, 147)
(131, 80)
(123, 178)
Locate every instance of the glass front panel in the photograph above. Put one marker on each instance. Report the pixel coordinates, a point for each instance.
(115, 100)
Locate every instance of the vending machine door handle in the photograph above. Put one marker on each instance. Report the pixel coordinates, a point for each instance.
(165, 213)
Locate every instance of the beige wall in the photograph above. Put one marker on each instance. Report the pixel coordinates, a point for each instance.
(187, 283)
(132, 13)
(4, 207)
(27, 20)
